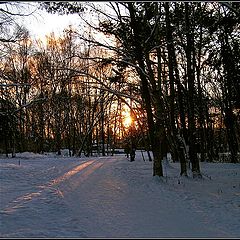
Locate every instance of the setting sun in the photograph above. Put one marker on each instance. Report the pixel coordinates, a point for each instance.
(127, 121)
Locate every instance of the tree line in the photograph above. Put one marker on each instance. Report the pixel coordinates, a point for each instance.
(175, 65)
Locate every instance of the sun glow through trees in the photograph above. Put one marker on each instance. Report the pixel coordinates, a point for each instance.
(127, 121)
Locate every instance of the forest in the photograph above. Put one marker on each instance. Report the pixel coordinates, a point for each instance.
(159, 76)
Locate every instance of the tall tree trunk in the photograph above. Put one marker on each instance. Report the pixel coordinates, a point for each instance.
(200, 99)
(155, 137)
(41, 126)
(102, 124)
(228, 64)
(177, 150)
(191, 90)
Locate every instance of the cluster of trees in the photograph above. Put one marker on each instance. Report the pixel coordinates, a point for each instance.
(175, 65)
(53, 97)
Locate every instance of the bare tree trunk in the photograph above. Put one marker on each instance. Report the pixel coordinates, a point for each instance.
(102, 123)
(191, 89)
(155, 131)
(229, 116)
(176, 149)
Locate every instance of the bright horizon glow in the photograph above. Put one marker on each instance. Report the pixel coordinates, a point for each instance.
(41, 23)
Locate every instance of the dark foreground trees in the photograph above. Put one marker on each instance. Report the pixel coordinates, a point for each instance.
(170, 47)
(174, 64)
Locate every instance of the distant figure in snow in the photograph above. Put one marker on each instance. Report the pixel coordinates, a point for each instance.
(127, 150)
(132, 152)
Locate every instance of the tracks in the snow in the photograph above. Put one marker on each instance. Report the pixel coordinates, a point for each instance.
(82, 171)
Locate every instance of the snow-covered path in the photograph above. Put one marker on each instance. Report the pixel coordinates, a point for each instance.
(105, 197)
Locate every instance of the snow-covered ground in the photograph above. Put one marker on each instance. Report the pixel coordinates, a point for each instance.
(50, 196)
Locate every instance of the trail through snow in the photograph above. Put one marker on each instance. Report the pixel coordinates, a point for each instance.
(111, 197)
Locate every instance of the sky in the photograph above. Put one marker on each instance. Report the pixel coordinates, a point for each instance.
(39, 23)
(42, 23)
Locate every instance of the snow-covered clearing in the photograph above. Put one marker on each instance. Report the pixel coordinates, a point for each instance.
(50, 196)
